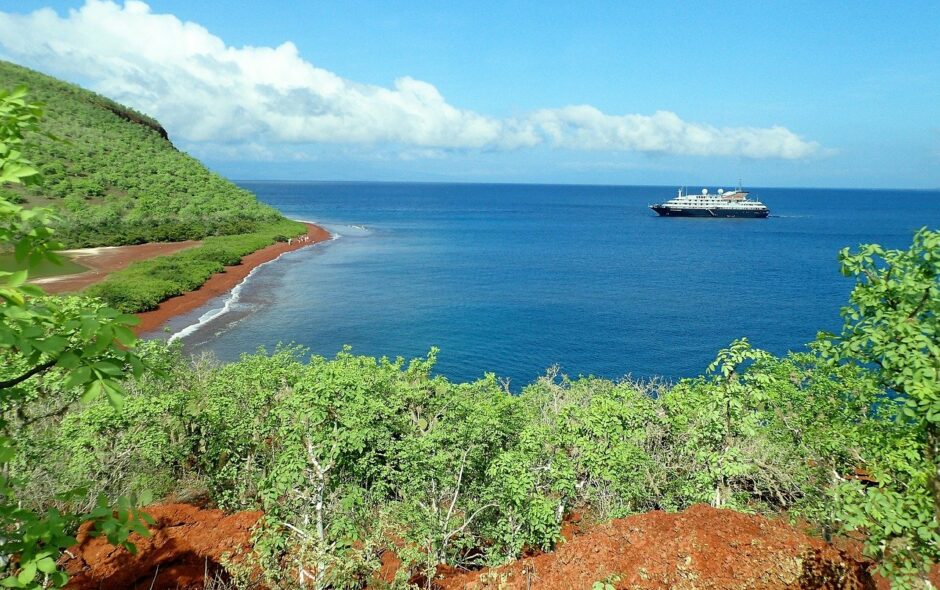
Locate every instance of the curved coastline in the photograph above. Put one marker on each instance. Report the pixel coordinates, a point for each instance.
(224, 282)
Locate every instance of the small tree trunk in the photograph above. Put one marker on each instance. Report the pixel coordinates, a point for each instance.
(933, 459)
(722, 490)
(319, 474)
(321, 536)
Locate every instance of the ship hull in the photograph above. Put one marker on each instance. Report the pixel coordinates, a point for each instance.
(718, 213)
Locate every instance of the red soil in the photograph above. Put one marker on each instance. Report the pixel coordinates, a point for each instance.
(699, 548)
(186, 543)
(102, 261)
(223, 282)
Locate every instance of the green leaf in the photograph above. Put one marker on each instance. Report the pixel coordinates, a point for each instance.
(68, 360)
(93, 390)
(46, 565)
(59, 578)
(108, 368)
(51, 345)
(7, 453)
(124, 335)
(15, 279)
(127, 319)
(79, 376)
(27, 574)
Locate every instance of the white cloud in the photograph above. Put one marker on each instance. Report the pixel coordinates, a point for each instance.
(204, 91)
(585, 127)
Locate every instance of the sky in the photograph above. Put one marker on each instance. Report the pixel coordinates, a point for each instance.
(824, 94)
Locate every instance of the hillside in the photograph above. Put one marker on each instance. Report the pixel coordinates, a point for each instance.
(115, 176)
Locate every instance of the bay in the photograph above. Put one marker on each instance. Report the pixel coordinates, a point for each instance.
(513, 279)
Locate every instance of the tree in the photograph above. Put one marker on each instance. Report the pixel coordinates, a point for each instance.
(893, 323)
(42, 336)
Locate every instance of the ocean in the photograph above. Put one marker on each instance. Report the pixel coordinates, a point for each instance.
(514, 279)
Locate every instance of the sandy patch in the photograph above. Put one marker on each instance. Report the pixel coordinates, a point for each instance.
(103, 261)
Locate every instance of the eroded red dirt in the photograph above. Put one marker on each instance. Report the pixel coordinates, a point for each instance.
(187, 543)
(701, 548)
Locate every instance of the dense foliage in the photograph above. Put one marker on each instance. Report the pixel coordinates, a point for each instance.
(114, 178)
(52, 352)
(893, 323)
(346, 455)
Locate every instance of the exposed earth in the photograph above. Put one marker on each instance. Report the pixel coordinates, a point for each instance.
(103, 261)
(700, 548)
(185, 547)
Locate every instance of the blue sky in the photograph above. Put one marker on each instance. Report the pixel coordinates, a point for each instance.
(781, 94)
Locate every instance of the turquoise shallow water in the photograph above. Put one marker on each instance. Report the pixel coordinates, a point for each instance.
(515, 278)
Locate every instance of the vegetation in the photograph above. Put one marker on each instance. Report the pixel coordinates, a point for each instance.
(45, 268)
(345, 454)
(53, 353)
(352, 454)
(893, 323)
(144, 284)
(114, 178)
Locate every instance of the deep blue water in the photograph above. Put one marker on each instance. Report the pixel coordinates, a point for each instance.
(515, 278)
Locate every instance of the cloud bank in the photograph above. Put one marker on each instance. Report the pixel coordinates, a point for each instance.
(205, 91)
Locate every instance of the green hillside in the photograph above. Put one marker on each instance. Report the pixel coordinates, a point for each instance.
(116, 178)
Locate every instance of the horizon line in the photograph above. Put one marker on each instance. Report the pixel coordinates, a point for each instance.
(601, 184)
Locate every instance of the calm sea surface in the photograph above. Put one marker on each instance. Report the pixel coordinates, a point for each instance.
(515, 278)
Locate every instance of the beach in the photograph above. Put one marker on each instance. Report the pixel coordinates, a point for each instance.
(223, 282)
(103, 261)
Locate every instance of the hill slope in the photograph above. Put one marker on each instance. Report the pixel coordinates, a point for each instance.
(117, 179)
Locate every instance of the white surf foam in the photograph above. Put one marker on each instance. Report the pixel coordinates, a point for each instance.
(233, 296)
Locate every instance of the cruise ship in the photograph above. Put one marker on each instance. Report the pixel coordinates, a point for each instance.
(732, 203)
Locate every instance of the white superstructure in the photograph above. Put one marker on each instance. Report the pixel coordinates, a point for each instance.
(736, 199)
(732, 203)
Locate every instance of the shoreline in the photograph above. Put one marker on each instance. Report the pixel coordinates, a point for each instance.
(222, 282)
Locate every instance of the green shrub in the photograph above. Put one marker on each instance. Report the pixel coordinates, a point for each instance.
(144, 285)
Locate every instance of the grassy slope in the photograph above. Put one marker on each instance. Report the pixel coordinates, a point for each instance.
(115, 178)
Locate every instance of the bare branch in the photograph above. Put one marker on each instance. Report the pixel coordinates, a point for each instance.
(34, 371)
(463, 464)
(467, 522)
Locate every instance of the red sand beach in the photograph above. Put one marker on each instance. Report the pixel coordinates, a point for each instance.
(223, 282)
(103, 261)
